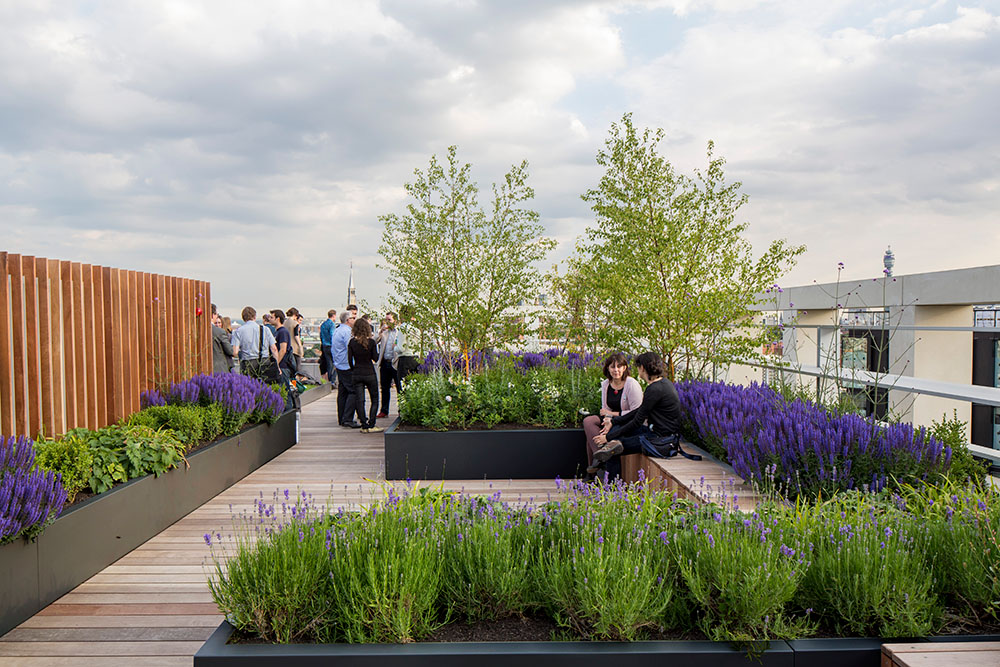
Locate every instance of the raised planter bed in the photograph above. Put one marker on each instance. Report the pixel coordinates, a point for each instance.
(316, 393)
(217, 653)
(497, 454)
(90, 536)
(829, 652)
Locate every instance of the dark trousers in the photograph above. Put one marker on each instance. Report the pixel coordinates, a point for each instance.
(388, 376)
(630, 445)
(345, 396)
(370, 383)
(326, 363)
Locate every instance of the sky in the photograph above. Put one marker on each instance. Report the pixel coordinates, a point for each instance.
(255, 144)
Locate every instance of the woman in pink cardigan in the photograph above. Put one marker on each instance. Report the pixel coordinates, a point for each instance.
(620, 394)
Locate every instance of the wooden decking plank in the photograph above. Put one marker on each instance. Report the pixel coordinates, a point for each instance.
(148, 621)
(120, 634)
(69, 649)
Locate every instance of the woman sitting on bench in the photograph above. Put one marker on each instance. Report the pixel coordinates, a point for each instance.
(620, 395)
(630, 434)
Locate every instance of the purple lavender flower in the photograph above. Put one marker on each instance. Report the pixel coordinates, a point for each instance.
(29, 497)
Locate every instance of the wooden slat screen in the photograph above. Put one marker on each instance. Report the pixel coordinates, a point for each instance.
(79, 343)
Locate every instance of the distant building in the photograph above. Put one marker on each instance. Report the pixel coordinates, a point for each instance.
(915, 347)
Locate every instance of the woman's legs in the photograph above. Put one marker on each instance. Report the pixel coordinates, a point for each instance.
(359, 400)
(591, 427)
(372, 384)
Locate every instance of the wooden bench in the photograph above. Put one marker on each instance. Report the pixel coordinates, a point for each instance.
(942, 654)
(708, 480)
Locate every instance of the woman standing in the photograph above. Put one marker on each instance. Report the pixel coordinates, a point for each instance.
(620, 395)
(361, 352)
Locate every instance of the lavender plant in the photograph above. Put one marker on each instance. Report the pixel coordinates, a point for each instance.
(801, 448)
(870, 573)
(29, 498)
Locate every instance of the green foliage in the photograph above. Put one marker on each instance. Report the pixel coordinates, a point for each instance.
(668, 260)
(548, 397)
(186, 421)
(742, 573)
(962, 530)
(963, 465)
(602, 569)
(615, 562)
(456, 269)
(870, 573)
(121, 453)
(70, 456)
(211, 416)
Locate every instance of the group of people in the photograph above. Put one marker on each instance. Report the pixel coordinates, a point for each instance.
(272, 351)
(350, 353)
(632, 421)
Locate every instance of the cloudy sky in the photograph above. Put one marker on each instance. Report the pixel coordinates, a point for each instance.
(255, 144)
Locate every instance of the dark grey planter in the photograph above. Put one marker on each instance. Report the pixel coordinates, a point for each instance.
(510, 454)
(217, 653)
(316, 393)
(90, 536)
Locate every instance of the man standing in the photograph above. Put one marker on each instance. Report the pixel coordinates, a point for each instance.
(390, 346)
(326, 368)
(285, 357)
(247, 343)
(345, 381)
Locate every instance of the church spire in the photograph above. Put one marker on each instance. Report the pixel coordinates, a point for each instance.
(352, 296)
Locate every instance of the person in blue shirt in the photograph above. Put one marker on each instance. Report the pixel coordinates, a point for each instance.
(326, 369)
(345, 379)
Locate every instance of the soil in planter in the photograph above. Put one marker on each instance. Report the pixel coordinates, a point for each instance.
(481, 426)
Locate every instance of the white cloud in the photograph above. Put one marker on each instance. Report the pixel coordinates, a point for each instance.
(207, 137)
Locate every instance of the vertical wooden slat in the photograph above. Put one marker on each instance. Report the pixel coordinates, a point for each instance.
(113, 342)
(100, 350)
(31, 379)
(7, 424)
(142, 312)
(134, 337)
(45, 360)
(19, 367)
(46, 383)
(173, 319)
(55, 316)
(206, 328)
(187, 343)
(159, 291)
(86, 316)
(80, 344)
(125, 343)
(66, 285)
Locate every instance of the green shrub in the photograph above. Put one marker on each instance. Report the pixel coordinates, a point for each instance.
(122, 453)
(963, 533)
(503, 393)
(869, 574)
(212, 415)
(186, 421)
(963, 465)
(70, 456)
